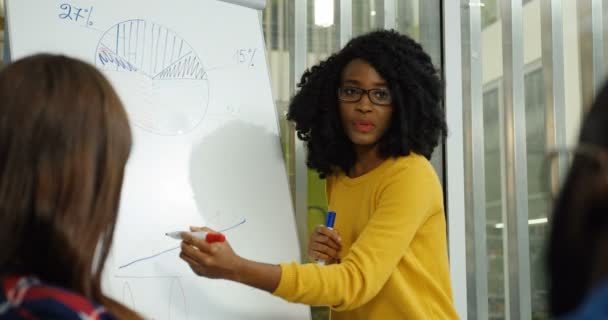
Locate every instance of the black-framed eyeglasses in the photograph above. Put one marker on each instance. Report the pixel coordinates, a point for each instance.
(378, 96)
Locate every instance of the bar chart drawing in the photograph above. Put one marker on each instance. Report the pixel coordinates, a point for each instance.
(158, 75)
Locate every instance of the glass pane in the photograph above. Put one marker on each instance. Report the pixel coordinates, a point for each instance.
(572, 71)
(493, 124)
(276, 22)
(323, 40)
(489, 13)
(407, 18)
(367, 15)
(582, 41)
(421, 20)
(536, 149)
(323, 29)
(494, 204)
(538, 192)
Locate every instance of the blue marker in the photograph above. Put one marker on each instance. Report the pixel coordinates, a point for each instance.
(329, 223)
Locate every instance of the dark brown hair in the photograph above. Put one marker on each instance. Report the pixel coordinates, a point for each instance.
(64, 143)
(577, 259)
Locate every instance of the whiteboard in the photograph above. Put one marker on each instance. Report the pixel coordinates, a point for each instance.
(194, 80)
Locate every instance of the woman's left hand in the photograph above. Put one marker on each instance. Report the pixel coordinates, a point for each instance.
(210, 260)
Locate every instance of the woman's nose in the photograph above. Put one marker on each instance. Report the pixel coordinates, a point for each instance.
(364, 105)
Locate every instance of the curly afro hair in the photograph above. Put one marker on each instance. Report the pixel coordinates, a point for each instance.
(418, 121)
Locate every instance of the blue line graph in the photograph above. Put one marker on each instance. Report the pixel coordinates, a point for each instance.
(175, 248)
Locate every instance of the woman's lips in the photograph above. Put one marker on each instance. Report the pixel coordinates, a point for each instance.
(364, 126)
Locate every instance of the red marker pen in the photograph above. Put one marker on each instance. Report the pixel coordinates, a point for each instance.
(207, 236)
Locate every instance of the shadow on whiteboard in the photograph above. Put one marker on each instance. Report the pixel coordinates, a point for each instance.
(230, 171)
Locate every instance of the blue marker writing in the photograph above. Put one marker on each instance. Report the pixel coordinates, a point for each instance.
(329, 223)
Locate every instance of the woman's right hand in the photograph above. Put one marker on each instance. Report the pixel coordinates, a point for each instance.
(325, 244)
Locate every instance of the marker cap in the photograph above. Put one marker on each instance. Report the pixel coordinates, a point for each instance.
(331, 218)
(215, 237)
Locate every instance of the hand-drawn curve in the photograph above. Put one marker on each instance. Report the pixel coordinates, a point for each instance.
(158, 75)
(177, 301)
(127, 295)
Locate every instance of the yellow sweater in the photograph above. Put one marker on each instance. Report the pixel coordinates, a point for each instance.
(394, 261)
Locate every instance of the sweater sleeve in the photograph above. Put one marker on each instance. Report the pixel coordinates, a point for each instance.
(404, 204)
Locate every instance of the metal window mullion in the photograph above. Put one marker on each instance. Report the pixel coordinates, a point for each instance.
(597, 32)
(475, 166)
(455, 182)
(471, 261)
(591, 48)
(585, 45)
(301, 171)
(504, 195)
(429, 14)
(281, 25)
(346, 21)
(390, 14)
(265, 20)
(554, 83)
(7, 44)
(605, 38)
(516, 226)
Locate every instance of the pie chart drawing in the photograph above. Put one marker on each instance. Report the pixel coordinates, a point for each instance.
(159, 77)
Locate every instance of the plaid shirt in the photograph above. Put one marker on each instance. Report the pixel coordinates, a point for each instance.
(29, 298)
